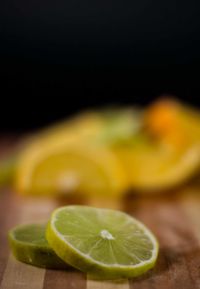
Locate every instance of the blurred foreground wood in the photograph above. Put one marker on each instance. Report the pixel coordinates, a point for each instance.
(173, 217)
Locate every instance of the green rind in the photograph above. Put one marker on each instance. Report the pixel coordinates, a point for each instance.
(37, 255)
(95, 270)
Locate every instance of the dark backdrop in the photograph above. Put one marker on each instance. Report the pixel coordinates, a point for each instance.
(62, 56)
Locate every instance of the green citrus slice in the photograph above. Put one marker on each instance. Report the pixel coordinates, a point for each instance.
(104, 243)
(29, 245)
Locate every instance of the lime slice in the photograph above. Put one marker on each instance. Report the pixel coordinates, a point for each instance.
(104, 243)
(29, 245)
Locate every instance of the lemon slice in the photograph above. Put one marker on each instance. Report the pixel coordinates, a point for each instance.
(173, 123)
(70, 168)
(167, 152)
(29, 245)
(75, 155)
(104, 243)
(154, 167)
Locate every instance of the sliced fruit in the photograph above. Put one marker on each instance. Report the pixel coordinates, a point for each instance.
(120, 125)
(64, 169)
(84, 126)
(76, 156)
(162, 120)
(104, 243)
(154, 167)
(103, 126)
(29, 245)
(167, 152)
(173, 123)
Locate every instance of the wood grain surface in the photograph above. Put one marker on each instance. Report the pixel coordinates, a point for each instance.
(174, 217)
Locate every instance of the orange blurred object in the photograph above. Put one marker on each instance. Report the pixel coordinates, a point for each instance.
(163, 120)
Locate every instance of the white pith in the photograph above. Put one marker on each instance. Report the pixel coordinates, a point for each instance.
(106, 235)
(68, 181)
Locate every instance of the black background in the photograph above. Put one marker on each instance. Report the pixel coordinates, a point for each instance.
(57, 57)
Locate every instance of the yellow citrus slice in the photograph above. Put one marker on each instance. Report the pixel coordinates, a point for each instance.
(64, 169)
(152, 167)
(167, 153)
(75, 155)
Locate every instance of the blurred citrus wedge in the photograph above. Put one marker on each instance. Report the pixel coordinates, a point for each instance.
(104, 243)
(99, 127)
(153, 168)
(173, 123)
(167, 152)
(70, 168)
(84, 126)
(29, 245)
(75, 155)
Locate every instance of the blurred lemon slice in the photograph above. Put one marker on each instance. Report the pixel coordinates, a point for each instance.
(167, 153)
(83, 126)
(75, 155)
(173, 123)
(104, 126)
(152, 167)
(66, 169)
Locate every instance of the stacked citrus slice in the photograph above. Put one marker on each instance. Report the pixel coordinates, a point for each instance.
(104, 243)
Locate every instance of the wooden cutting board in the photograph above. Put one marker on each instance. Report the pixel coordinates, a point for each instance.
(173, 217)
